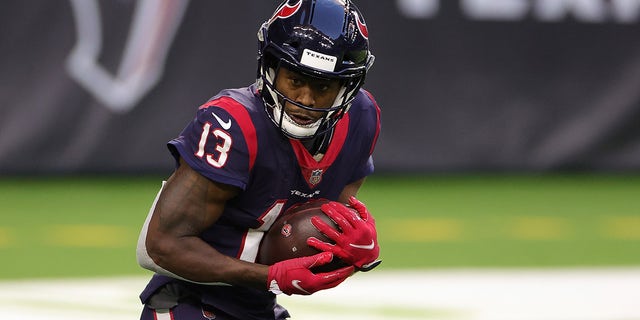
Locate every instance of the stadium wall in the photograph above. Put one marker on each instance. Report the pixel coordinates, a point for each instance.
(510, 85)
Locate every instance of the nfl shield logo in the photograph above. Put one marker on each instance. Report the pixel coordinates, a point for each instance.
(316, 176)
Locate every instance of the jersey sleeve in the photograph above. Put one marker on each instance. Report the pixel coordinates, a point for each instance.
(220, 143)
(368, 123)
(364, 169)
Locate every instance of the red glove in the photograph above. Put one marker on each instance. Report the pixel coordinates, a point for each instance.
(294, 276)
(357, 244)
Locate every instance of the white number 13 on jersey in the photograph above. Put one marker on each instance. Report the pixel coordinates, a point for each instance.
(222, 147)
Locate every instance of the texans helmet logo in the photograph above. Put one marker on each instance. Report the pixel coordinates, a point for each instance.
(286, 11)
(362, 26)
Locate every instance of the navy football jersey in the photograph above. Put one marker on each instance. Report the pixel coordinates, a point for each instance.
(233, 141)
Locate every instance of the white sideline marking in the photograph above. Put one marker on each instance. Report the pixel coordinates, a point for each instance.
(553, 294)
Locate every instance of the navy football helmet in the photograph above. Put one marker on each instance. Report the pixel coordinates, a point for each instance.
(320, 38)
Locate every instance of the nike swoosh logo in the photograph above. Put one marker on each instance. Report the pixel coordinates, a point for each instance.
(296, 284)
(366, 247)
(225, 125)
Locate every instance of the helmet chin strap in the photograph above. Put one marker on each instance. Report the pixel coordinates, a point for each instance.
(291, 127)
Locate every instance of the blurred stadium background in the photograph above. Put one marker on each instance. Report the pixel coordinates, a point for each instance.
(510, 146)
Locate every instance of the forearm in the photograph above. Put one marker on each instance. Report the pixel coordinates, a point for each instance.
(350, 190)
(169, 242)
(192, 259)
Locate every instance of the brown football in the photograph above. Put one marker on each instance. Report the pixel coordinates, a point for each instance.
(287, 237)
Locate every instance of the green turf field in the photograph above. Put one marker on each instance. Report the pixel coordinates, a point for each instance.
(89, 226)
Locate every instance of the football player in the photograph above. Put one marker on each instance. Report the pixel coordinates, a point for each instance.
(305, 130)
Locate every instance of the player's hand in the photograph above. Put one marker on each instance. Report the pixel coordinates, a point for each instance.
(357, 243)
(294, 276)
